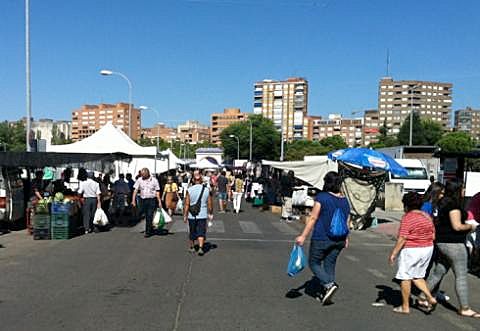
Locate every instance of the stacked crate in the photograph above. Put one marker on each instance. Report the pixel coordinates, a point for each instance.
(60, 221)
(41, 226)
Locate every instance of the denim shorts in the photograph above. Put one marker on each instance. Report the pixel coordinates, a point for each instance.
(197, 227)
(222, 195)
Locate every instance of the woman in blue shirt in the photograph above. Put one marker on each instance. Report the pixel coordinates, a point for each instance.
(324, 249)
(432, 197)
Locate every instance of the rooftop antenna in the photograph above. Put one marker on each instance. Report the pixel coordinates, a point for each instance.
(388, 62)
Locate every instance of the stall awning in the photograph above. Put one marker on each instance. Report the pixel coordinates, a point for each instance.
(45, 159)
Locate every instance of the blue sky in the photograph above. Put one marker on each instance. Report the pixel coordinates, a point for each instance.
(188, 59)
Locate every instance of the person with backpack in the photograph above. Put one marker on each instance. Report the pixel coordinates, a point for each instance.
(198, 206)
(330, 222)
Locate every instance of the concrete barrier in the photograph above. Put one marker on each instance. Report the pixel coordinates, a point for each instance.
(393, 197)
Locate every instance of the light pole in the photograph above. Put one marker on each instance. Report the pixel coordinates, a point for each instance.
(251, 141)
(238, 145)
(158, 133)
(27, 74)
(106, 72)
(281, 137)
(410, 140)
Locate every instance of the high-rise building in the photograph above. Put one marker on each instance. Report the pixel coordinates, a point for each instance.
(193, 132)
(160, 130)
(90, 118)
(468, 120)
(285, 103)
(44, 129)
(350, 129)
(371, 126)
(396, 98)
(220, 121)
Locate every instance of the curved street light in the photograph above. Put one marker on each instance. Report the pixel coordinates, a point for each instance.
(238, 145)
(106, 72)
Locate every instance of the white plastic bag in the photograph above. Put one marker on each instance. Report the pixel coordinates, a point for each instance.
(166, 217)
(156, 218)
(100, 217)
(179, 208)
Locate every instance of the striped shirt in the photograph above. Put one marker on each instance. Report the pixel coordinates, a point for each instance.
(417, 227)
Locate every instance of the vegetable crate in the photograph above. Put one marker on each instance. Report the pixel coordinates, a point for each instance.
(61, 233)
(61, 208)
(61, 226)
(41, 222)
(41, 234)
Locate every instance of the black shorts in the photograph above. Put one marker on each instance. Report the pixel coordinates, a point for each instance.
(198, 228)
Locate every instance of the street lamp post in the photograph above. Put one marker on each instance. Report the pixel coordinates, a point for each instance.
(281, 137)
(105, 72)
(238, 145)
(251, 141)
(410, 138)
(158, 133)
(27, 75)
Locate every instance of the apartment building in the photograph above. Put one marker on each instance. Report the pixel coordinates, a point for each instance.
(160, 130)
(468, 120)
(220, 121)
(44, 129)
(431, 100)
(90, 118)
(285, 103)
(371, 126)
(193, 132)
(350, 129)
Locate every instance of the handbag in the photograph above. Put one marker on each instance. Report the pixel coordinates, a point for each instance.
(195, 208)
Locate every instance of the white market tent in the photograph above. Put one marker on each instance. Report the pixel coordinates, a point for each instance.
(110, 139)
(311, 170)
(205, 164)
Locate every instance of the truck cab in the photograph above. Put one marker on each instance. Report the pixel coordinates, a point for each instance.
(417, 179)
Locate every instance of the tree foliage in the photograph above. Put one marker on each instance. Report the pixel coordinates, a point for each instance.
(58, 138)
(333, 143)
(265, 142)
(297, 150)
(384, 140)
(424, 132)
(13, 136)
(456, 142)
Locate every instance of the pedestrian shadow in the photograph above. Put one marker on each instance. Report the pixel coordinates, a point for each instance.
(388, 295)
(311, 288)
(207, 247)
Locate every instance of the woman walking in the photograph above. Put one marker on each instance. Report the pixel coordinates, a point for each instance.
(414, 249)
(237, 193)
(432, 198)
(324, 248)
(170, 195)
(451, 233)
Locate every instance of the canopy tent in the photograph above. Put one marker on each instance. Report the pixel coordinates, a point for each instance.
(206, 163)
(110, 139)
(310, 171)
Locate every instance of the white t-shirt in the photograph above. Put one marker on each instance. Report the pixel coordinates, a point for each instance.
(89, 188)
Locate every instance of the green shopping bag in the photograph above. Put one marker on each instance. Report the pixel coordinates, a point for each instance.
(158, 219)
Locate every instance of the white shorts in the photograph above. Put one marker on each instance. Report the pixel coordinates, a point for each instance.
(413, 262)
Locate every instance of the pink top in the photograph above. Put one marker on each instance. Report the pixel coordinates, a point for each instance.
(417, 227)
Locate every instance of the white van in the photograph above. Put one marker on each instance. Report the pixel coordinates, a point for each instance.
(417, 179)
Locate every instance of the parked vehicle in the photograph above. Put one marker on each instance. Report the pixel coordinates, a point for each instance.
(12, 198)
(417, 179)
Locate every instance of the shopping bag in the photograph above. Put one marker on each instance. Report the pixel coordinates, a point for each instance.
(100, 218)
(179, 208)
(166, 218)
(297, 261)
(158, 219)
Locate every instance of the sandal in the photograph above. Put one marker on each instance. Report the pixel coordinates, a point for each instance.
(469, 313)
(426, 306)
(400, 310)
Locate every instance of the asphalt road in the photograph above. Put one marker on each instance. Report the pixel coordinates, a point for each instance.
(118, 280)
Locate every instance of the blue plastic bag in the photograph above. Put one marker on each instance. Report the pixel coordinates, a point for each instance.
(297, 261)
(338, 225)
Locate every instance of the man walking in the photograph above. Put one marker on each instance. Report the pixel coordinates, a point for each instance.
(222, 183)
(90, 190)
(149, 191)
(198, 206)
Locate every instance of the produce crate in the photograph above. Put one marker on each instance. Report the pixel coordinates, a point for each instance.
(61, 208)
(42, 209)
(60, 221)
(61, 233)
(41, 234)
(41, 221)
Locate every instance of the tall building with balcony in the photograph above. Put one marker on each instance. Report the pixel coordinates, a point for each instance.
(285, 103)
(90, 118)
(220, 121)
(396, 98)
(371, 126)
(350, 129)
(468, 120)
(193, 132)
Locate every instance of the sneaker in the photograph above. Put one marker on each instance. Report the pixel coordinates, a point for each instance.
(201, 252)
(329, 292)
(191, 250)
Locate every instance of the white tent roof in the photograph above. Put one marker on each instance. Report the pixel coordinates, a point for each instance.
(311, 171)
(109, 139)
(204, 164)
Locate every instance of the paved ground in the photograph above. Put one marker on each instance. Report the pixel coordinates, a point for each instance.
(120, 281)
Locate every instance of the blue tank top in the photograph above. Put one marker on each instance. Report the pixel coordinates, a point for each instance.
(194, 192)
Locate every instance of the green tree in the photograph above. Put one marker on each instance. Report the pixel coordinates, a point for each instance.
(456, 142)
(333, 142)
(297, 150)
(265, 144)
(432, 131)
(418, 137)
(384, 140)
(13, 136)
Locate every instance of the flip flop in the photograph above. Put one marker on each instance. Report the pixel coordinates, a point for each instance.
(473, 314)
(399, 310)
(426, 306)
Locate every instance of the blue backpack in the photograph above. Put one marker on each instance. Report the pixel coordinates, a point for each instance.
(338, 226)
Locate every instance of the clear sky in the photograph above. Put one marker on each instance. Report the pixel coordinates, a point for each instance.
(189, 58)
